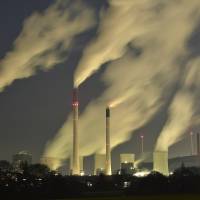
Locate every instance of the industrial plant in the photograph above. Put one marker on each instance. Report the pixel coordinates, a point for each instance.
(102, 162)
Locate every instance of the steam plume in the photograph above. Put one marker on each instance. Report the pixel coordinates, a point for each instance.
(44, 37)
(115, 32)
(140, 84)
(183, 110)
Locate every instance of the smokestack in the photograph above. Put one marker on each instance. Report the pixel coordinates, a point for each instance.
(160, 162)
(198, 144)
(108, 152)
(75, 156)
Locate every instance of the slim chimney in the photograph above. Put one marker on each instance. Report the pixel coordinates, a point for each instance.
(108, 152)
(198, 144)
(75, 156)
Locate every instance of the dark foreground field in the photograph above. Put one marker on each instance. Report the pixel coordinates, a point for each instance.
(159, 197)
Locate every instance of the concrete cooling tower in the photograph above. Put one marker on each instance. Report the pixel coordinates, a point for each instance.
(160, 162)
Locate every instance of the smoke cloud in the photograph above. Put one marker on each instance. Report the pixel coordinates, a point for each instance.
(115, 32)
(184, 109)
(137, 85)
(43, 39)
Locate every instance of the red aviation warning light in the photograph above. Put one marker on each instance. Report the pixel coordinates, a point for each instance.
(75, 97)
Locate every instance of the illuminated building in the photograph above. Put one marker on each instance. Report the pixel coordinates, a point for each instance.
(127, 163)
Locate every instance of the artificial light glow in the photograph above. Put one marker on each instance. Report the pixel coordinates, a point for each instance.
(142, 173)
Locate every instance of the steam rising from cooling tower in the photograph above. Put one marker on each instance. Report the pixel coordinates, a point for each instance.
(143, 43)
(183, 110)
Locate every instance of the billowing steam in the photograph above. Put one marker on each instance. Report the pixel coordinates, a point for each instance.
(183, 110)
(137, 85)
(115, 32)
(44, 37)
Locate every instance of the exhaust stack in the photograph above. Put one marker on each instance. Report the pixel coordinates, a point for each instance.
(75, 156)
(108, 151)
(198, 145)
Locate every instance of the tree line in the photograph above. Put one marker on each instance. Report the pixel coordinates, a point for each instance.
(38, 181)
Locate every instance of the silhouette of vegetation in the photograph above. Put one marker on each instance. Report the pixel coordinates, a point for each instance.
(38, 181)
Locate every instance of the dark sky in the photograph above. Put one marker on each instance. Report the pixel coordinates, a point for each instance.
(32, 110)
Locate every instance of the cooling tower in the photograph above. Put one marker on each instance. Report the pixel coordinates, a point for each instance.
(108, 151)
(160, 162)
(75, 157)
(99, 164)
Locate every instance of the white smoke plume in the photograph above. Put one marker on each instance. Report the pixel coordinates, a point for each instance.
(184, 109)
(139, 84)
(115, 32)
(44, 37)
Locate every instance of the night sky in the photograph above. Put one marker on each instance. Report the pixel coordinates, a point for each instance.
(33, 109)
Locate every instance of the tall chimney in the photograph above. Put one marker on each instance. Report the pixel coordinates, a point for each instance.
(198, 145)
(108, 152)
(75, 156)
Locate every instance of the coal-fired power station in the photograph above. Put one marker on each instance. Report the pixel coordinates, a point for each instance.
(108, 150)
(75, 153)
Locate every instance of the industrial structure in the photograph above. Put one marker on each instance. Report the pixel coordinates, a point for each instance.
(81, 169)
(108, 170)
(127, 163)
(198, 144)
(102, 162)
(160, 162)
(75, 156)
(99, 164)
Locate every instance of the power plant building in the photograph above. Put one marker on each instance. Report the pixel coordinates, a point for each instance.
(127, 163)
(99, 164)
